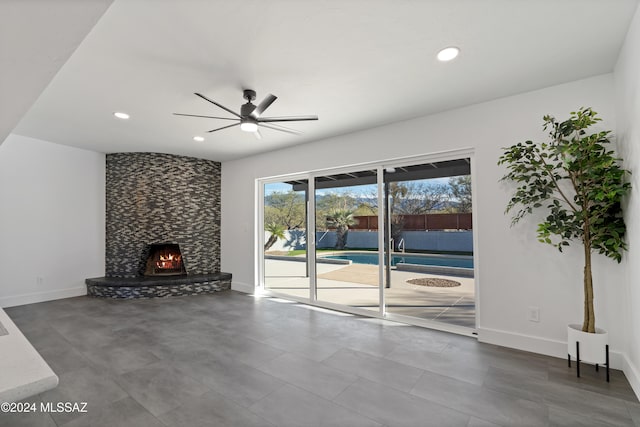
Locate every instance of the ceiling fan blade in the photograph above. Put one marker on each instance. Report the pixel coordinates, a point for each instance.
(287, 119)
(207, 117)
(224, 127)
(280, 128)
(218, 105)
(266, 102)
(257, 134)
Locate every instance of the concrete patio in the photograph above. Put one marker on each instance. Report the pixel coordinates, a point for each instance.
(356, 285)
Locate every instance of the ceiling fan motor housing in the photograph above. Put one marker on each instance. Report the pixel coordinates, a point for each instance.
(249, 94)
(246, 109)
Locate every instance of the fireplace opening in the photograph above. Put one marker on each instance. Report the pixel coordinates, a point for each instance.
(164, 260)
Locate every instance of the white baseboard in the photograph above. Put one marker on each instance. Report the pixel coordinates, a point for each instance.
(243, 287)
(539, 345)
(35, 297)
(633, 375)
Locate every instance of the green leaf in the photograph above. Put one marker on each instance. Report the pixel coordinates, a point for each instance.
(576, 177)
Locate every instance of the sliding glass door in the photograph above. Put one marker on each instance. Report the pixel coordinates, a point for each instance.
(285, 265)
(347, 252)
(389, 240)
(429, 270)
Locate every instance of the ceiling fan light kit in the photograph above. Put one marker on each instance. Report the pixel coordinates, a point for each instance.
(249, 126)
(250, 116)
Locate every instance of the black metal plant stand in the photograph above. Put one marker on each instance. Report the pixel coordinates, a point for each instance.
(597, 365)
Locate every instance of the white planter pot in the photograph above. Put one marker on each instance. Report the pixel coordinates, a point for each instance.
(592, 346)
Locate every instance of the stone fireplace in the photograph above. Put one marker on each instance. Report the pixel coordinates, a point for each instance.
(162, 220)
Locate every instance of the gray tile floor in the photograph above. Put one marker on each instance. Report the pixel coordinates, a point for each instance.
(233, 360)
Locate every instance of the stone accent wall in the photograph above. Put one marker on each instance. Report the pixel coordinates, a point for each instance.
(161, 198)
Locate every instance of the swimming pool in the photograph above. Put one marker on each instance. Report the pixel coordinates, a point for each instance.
(429, 260)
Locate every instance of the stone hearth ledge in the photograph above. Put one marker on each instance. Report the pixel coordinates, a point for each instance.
(157, 286)
(23, 372)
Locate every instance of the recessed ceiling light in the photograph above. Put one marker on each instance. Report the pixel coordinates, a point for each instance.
(448, 53)
(198, 138)
(123, 116)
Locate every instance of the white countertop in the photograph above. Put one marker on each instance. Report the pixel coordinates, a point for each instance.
(23, 372)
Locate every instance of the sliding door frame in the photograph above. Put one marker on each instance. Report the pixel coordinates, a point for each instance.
(311, 241)
(260, 238)
(380, 167)
(439, 157)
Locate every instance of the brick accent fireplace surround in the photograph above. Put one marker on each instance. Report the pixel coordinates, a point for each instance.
(151, 199)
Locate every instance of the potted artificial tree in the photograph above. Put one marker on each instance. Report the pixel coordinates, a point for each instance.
(578, 180)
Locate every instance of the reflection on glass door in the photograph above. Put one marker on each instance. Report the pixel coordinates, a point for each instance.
(285, 238)
(429, 270)
(347, 240)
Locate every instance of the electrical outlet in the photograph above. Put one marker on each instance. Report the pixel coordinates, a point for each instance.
(534, 314)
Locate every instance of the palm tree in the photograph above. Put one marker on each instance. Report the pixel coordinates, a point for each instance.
(277, 232)
(341, 219)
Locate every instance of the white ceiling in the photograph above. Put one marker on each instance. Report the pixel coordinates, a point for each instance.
(37, 37)
(354, 63)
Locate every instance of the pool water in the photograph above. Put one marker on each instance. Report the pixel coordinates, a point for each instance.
(372, 258)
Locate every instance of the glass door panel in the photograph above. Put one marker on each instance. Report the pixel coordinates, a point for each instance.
(347, 270)
(390, 241)
(429, 270)
(285, 238)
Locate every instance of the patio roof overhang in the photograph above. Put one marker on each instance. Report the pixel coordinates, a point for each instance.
(433, 170)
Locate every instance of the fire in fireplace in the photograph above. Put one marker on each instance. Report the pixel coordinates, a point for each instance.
(164, 260)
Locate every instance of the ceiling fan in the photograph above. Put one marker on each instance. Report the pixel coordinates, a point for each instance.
(250, 116)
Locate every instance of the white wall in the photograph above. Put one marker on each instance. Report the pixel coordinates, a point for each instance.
(515, 271)
(51, 220)
(627, 85)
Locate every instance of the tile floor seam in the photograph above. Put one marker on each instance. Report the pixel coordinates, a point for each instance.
(337, 402)
(582, 414)
(270, 424)
(380, 381)
(126, 389)
(311, 391)
(215, 391)
(596, 416)
(505, 396)
(413, 396)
